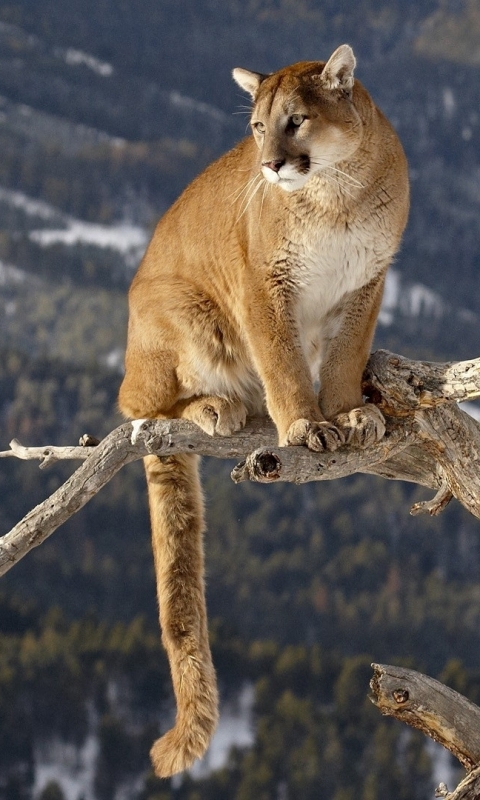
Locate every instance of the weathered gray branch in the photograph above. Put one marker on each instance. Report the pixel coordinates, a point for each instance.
(429, 441)
(444, 715)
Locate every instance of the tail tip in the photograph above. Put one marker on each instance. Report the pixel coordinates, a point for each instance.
(174, 752)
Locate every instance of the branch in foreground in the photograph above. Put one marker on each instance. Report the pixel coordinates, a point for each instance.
(131, 441)
(428, 441)
(439, 712)
(85, 483)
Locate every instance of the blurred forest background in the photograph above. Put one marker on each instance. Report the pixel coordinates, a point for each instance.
(107, 110)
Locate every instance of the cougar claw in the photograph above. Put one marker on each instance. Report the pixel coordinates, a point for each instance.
(297, 433)
(324, 436)
(317, 436)
(363, 426)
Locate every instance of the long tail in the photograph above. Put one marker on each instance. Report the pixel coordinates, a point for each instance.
(176, 510)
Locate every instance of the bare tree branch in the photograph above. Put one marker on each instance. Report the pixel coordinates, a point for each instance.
(428, 441)
(46, 455)
(439, 712)
(428, 705)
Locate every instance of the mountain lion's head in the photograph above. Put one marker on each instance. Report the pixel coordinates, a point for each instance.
(303, 118)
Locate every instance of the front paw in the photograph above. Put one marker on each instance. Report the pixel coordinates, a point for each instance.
(362, 426)
(317, 436)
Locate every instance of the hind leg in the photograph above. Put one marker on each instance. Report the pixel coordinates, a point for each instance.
(150, 390)
(150, 386)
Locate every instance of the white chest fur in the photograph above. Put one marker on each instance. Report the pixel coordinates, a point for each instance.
(339, 261)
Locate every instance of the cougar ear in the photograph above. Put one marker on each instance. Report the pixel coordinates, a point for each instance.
(338, 71)
(249, 81)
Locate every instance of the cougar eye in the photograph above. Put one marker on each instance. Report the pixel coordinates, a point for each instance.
(297, 119)
(259, 127)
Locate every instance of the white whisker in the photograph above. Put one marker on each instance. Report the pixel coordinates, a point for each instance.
(345, 177)
(343, 186)
(237, 193)
(353, 181)
(266, 186)
(252, 195)
(334, 180)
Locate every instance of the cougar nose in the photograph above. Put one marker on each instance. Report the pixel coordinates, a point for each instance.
(274, 165)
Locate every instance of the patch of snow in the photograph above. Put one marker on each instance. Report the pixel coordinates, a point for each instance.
(42, 126)
(77, 58)
(115, 359)
(449, 103)
(130, 788)
(12, 275)
(420, 300)
(391, 294)
(467, 316)
(31, 207)
(235, 729)
(182, 101)
(443, 766)
(120, 236)
(72, 768)
(412, 300)
(14, 30)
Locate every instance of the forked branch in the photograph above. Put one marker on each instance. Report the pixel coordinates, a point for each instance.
(429, 441)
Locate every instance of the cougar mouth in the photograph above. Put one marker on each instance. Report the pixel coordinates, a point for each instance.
(290, 175)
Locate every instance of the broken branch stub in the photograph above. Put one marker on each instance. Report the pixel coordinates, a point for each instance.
(439, 712)
(430, 706)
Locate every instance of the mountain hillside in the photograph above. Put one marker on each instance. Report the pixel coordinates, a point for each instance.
(107, 111)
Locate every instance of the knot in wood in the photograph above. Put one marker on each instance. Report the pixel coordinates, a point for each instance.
(262, 466)
(266, 466)
(400, 696)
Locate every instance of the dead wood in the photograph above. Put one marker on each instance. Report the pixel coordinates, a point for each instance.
(429, 441)
(439, 712)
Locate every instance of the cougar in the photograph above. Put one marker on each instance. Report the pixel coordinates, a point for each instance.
(259, 292)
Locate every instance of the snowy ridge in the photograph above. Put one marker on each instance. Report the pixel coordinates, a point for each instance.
(41, 126)
(188, 103)
(121, 236)
(79, 58)
(69, 55)
(31, 206)
(126, 238)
